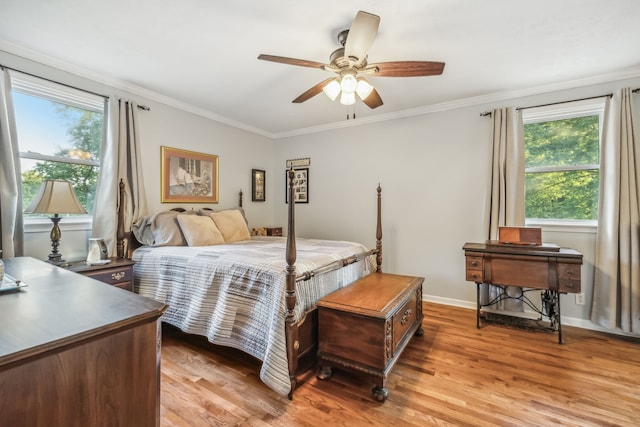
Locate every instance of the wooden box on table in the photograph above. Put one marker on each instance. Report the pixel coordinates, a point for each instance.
(520, 235)
(365, 326)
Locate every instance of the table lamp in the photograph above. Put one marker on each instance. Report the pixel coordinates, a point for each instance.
(55, 197)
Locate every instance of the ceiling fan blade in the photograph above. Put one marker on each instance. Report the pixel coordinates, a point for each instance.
(361, 35)
(373, 100)
(291, 61)
(313, 91)
(407, 68)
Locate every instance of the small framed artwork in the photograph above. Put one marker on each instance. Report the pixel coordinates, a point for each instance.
(188, 176)
(300, 186)
(257, 185)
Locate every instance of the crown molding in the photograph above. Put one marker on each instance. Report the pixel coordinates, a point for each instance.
(468, 102)
(41, 58)
(32, 55)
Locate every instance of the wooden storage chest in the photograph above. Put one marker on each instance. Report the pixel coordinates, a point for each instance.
(365, 326)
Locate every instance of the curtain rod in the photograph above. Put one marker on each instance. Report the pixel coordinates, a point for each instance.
(142, 107)
(608, 95)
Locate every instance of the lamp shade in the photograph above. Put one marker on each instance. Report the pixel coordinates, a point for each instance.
(332, 90)
(363, 89)
(55, 196)
(347, 98)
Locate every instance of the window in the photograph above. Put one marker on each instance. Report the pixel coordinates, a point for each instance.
(60, 133)
(562, 162)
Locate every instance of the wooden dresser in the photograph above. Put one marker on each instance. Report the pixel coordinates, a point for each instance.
(366, 325)
(547, 267)
(77, 352)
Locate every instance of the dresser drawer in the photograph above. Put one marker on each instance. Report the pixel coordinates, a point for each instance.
(118, 272)
(112, 276)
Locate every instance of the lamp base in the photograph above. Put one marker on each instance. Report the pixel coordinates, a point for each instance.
(56, 259)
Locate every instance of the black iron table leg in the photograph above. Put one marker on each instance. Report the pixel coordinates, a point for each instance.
(477, 305)
(559, 318)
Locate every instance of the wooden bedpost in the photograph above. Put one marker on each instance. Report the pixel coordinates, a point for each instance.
(120, 235)
(291, 330)
(379, 232)
(240, 198)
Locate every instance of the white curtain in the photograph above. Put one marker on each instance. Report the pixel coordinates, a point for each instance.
(10, 176)
(121, 160)
(616, 289)
(506, 197)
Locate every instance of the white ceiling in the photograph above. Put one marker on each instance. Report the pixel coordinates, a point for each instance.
(201, 54)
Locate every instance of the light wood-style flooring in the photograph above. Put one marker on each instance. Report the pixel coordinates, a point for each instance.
(453, 375)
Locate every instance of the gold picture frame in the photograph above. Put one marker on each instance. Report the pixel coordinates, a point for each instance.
(188, 176)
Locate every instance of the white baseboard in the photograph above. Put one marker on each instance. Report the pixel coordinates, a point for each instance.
(567, 321)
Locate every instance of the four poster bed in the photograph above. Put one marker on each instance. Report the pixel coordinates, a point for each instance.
(255, 294)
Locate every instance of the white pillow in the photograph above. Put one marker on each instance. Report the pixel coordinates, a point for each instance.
(199, 230)
(232, 225)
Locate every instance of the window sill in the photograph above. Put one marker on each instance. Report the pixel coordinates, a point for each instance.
(568, 226)
(43, 225)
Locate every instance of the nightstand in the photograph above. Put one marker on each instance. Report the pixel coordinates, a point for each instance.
(119, 272)
(267, 231)
(274, 231)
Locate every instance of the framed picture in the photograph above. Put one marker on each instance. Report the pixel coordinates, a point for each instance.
(188, 177)
(300, 186)
(257, 185)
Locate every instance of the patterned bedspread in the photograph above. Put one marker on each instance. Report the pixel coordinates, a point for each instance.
(234, 294)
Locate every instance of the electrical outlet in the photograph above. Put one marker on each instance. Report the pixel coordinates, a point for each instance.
(580, 298)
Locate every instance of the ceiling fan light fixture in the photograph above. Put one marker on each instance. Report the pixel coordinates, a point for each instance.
(363, 88)
(347, 98)
(332, 90)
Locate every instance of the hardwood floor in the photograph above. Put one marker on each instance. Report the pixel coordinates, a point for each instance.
(454, 374)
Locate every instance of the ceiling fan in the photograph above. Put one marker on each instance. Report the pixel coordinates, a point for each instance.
(349, 63)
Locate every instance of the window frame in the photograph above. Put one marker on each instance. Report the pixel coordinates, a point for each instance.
(41, 88)
(562, 111)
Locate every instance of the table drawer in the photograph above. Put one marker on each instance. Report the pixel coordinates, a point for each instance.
(569, 271)
(569, 276)
(474, 268)
(569, 286)
(474, 276)
(474, 263)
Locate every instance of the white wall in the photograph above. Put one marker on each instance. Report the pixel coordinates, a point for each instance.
(239, 151)
(434, 172)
